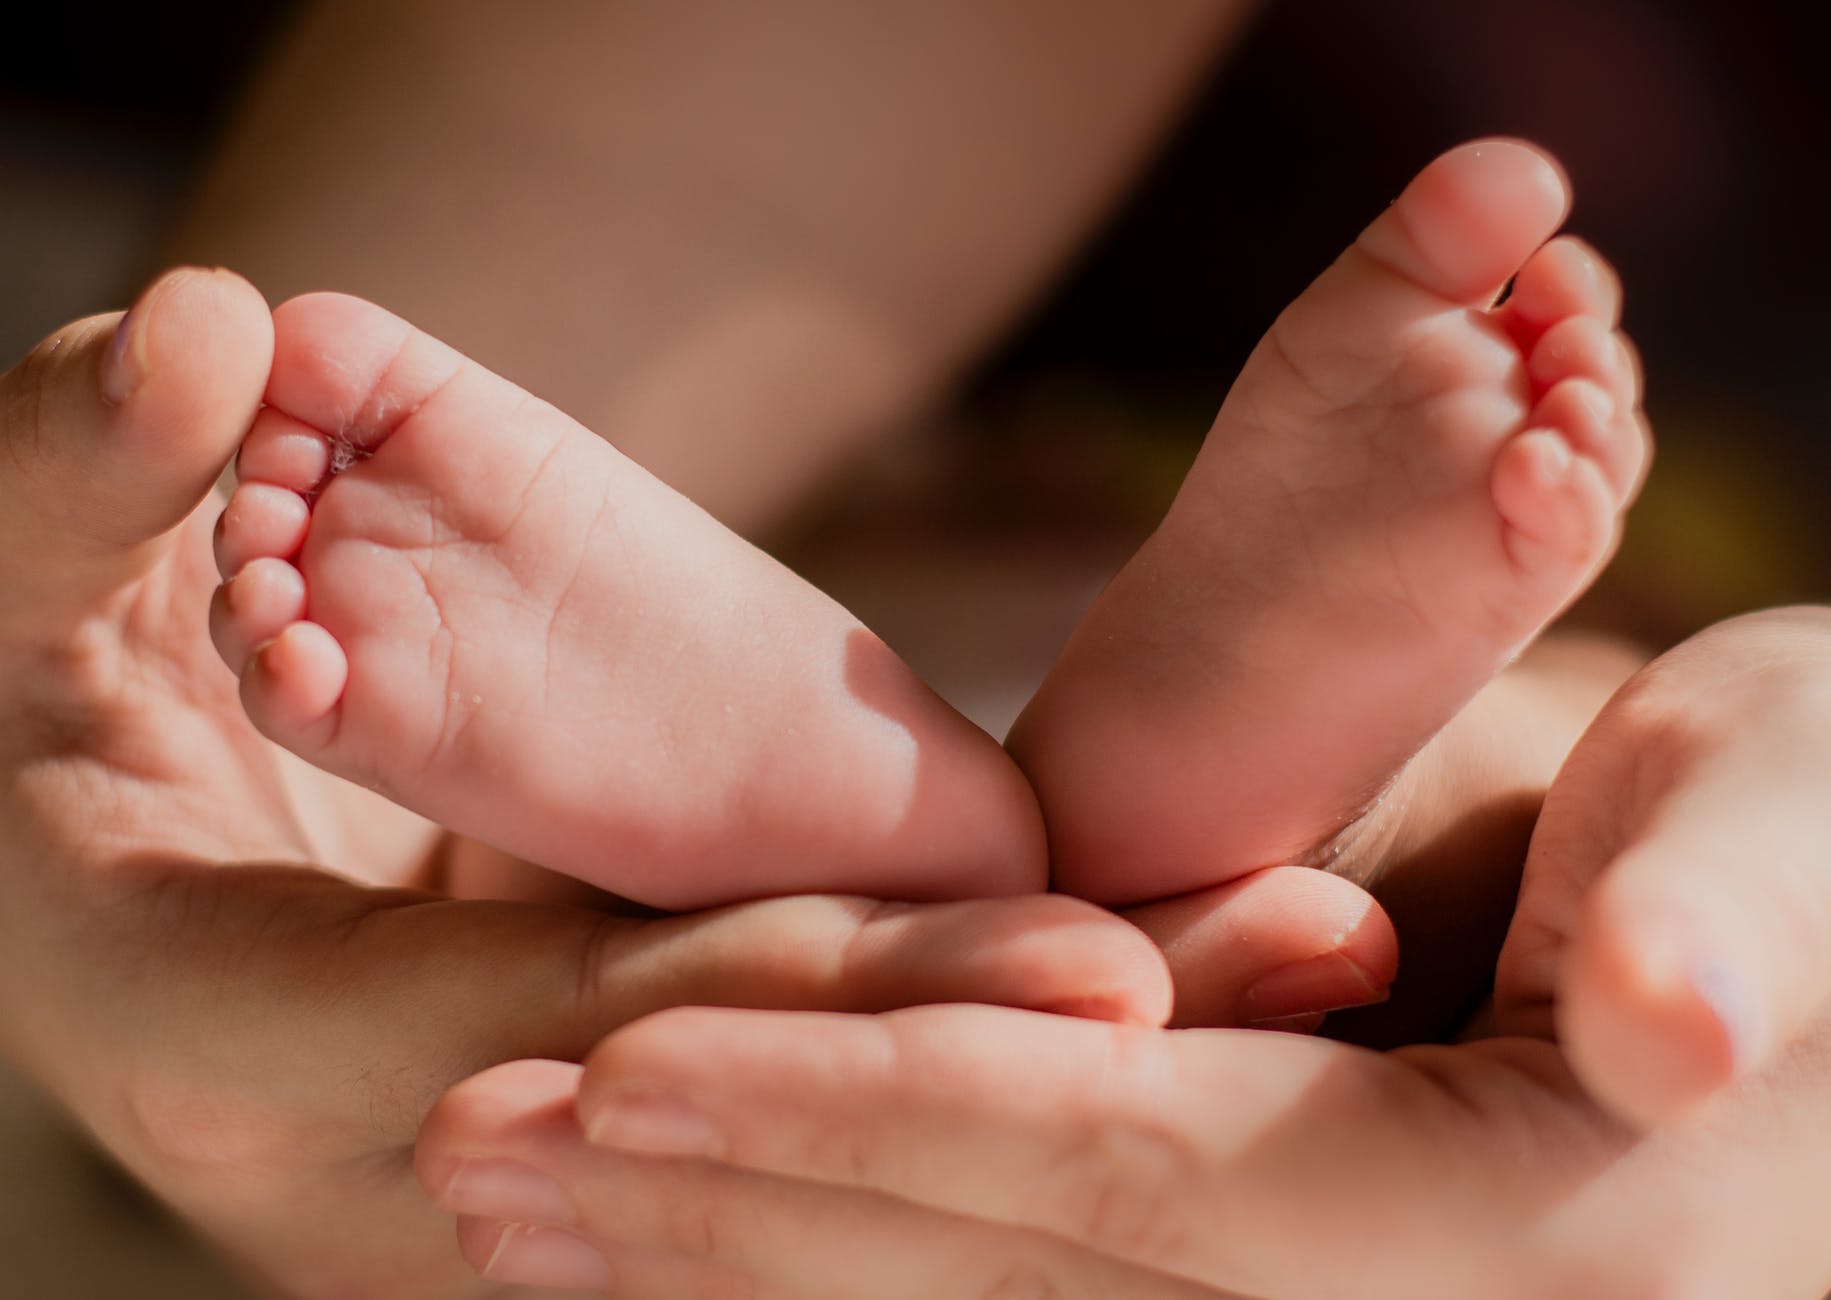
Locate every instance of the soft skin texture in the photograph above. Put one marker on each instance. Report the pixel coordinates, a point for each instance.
(239, 973)
(1402, 488)
(446, 590)
(1043, 1155)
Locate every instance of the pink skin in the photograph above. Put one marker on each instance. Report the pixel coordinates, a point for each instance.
(1668, 957)
(1402, 488)
(231, 968)
(446, 590)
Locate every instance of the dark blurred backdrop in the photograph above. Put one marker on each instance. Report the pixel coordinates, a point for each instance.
(1695, 131)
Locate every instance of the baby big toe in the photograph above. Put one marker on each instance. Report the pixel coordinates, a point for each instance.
(1467, 223)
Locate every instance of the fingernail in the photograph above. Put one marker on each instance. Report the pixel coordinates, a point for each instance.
(506, 1189)
(1332, 981)
(124, 364)
(653, 1123)
(527, 1255)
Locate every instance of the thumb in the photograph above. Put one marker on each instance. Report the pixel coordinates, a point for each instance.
(1688, 838)
(114, 428)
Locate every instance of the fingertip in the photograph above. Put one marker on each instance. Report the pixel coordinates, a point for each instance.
(1091, 965)
(1655, 1021)
(131, 419)
(1286, 943)
(1038, 952)
(192, 330)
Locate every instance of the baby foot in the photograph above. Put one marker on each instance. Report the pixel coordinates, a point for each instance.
(1403, 487)
(447, 590)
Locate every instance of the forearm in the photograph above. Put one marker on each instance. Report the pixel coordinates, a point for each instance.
(733, 237)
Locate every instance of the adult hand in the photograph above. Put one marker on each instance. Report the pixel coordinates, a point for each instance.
(976, 1151)
(253, 1035)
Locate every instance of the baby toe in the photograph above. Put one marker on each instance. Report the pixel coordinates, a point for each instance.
(285, 452)
(1565, 278)
(1588, 418)
(292, 685)
(1582, 347)
(254, 607)
(1558, 512)
(260, 520)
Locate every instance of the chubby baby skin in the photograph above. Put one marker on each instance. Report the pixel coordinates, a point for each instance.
(1404, 486)
(442, 588)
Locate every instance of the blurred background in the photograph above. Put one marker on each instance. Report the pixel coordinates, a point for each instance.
(1695, 133)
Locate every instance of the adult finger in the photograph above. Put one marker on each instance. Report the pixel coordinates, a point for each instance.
(1131, 1142)
(1226, 1157)
(113, 430)
(637, 1227)
(402, 993)
(1677, 907)
(1279, 948)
